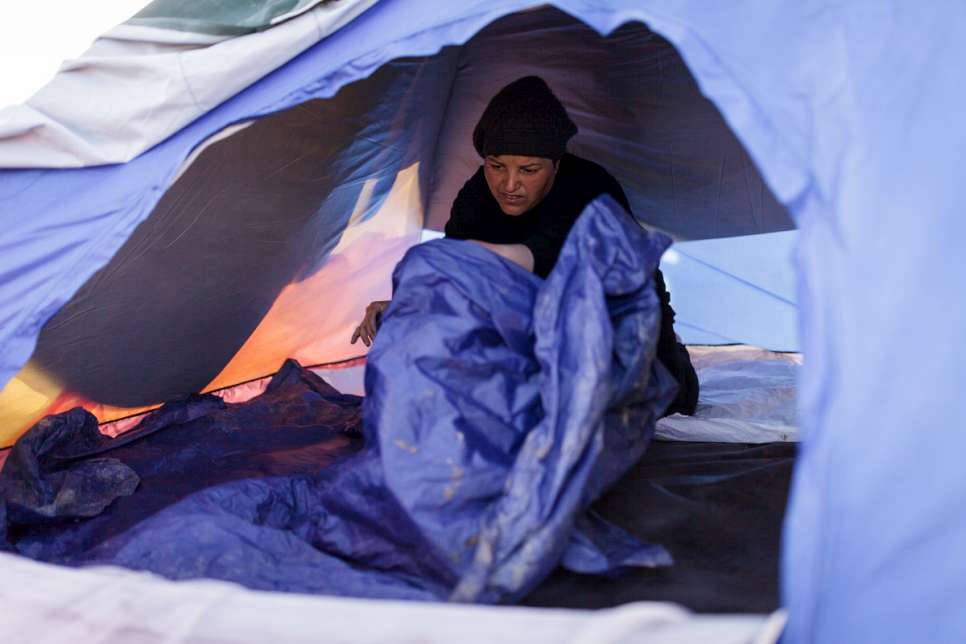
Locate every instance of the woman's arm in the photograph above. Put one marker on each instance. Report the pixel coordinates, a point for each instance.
(516, 253)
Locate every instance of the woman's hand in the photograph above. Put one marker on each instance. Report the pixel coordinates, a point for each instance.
(370, 323)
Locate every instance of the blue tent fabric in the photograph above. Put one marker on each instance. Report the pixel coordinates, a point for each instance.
(853, 113)
(64, 225)
(481, 450)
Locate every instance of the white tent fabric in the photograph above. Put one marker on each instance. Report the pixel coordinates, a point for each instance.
(138, 85)
(40, 603)
(747, 396)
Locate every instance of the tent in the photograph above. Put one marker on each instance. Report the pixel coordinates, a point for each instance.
(138, 263)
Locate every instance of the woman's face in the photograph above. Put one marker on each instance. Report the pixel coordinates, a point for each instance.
(518, 183)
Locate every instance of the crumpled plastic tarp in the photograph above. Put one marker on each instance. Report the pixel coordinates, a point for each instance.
(498, 407)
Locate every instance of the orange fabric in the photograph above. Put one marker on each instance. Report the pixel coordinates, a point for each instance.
(311, 320)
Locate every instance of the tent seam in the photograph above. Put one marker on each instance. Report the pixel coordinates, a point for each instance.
(184, 78)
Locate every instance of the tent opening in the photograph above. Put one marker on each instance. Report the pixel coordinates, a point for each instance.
(277, 232)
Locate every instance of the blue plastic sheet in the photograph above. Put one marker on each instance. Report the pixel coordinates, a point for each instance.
(499, 407)
(523, 399)
(72, 494)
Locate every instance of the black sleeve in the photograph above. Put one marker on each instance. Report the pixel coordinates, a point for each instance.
(674, 355)
(667, 338)
(466, 217)
(546, 244)
(670, 352)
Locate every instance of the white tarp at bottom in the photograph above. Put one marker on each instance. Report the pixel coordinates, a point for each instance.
(45, 603)
(747, 396)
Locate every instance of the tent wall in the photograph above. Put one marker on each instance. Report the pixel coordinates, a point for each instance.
(219, 17)
(852, 112)
(244, 260)
(735, 290)
(256, 214)
(267, 246)
(639, 112)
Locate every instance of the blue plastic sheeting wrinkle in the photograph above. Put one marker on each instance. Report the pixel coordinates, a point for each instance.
(499, 407)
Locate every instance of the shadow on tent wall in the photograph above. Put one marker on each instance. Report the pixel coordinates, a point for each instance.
(275, 238)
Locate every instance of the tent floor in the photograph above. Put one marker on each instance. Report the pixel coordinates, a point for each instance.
(717, 507)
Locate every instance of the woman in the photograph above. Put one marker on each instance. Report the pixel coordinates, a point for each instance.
(527, 195)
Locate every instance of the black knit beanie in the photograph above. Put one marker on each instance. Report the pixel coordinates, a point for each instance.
(524, 118)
